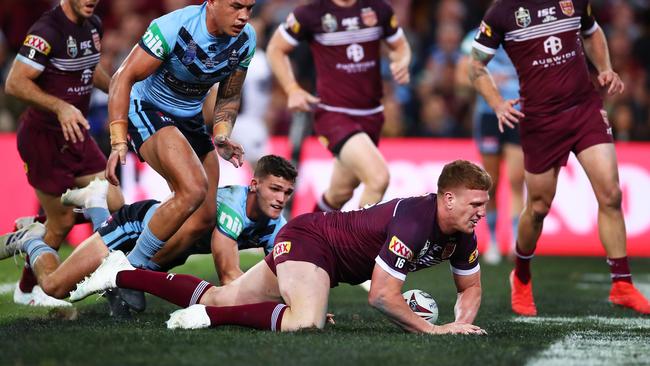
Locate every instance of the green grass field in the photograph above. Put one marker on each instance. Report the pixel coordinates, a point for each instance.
(576, 326)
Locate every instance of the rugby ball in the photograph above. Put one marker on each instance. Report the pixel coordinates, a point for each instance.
(422, 304)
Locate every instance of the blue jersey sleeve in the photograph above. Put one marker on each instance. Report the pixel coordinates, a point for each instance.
(250, 46)
(279, 223)
(160, 37)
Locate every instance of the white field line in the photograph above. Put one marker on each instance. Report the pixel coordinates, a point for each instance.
(624, 323)
(7, 288)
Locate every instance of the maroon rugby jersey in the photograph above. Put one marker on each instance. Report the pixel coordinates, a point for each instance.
(67, 54)
(401, 236)
(345, 43)
(543, 41)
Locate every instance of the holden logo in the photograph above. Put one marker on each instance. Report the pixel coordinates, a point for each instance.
(355, 52)
(552, 45)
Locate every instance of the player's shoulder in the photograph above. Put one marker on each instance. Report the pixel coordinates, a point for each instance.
(232, 194)
(47, 21)
(248, 32)
(180, 16)
(417, 211)
(95, 21)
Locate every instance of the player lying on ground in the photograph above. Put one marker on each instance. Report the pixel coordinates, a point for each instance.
(289, 290)
(247, 217)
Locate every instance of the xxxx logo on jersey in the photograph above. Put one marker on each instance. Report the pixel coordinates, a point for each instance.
(37, 43)
(399, 248)
(280, 248)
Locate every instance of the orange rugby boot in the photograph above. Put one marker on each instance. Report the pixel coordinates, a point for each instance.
(625, 294)
(521, 296)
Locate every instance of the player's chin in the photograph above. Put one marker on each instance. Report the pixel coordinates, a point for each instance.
(235, 30)
(273, 212)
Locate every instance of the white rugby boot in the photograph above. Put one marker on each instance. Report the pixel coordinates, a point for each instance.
(12, 243)
(492, 255)
(24, 221)
(104, 276)
(193, 317)
(37, 297)
(92, 195)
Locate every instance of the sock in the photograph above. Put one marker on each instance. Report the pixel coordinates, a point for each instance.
(323, 206)
(35, 247)
(152, 266)
(97, 215)
(180, 289)
(515, 232)
(619, 269)
(27, 279)
(145, 247)
(491, 218)
(264, 315)
(522, 264)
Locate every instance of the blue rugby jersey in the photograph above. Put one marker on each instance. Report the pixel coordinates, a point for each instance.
(193, 60)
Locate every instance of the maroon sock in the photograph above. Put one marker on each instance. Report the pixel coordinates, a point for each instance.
(180, 289)
(27, 279)
(264, 315)
(522, 264)
(619, 269)
(323, 206)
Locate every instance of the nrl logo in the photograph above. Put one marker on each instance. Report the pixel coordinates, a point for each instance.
(522, 17)
(567, 7)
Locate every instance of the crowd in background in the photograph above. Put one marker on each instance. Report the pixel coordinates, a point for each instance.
(431, 106)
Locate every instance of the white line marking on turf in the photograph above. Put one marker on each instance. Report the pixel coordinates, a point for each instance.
(595, 348)
(7, 288)
(626, 323)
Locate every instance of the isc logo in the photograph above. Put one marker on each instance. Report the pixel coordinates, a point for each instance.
(546, 12)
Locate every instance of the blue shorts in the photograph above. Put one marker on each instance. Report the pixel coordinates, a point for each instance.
(488, 138)
(122, 229)
(145, 119)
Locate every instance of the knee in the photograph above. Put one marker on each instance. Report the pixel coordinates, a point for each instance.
(611, 198)
(192, 195)
(53, 289)
(378, 181)
(59, 228)
(538, 209)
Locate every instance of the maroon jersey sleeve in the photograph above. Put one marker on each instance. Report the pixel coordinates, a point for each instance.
(406, 235)
(387, 20)
(464, 261)
(37, 46)
(295, 28)
(588, 23)
(490, 32)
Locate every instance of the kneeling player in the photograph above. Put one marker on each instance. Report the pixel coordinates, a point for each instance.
(289, 290)
(247, 217)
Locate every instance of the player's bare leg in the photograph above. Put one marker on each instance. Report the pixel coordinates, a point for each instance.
(514, 157)
(60, 219)
(492, 163)
(201, 221)
(599, 162)
(342, 184)
(360, 155)
(305, 289)
(170, 154)
(541, 190)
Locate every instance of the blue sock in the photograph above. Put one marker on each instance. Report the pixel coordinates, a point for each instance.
(97, 215)
(145, 247)
(492, 225)
(35, 247)
(153, 266)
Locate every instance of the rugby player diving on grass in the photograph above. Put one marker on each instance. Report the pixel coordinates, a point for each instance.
(314, 252)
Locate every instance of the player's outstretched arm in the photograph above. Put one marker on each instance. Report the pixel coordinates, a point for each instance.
(20, 83)
(277, 53)
(483, 82)
(225, 254)
(469, 297)
(598, 53)
(137, 66)
(400, 59)
(225, 113)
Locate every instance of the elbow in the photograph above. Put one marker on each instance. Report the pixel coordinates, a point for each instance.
(376, 299)
(11, 86)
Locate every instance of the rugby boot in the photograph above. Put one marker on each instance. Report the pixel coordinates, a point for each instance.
(521, 296)
(13, 242)
(626, 295)
(92, 195)
(133, 298)
(193, 317)
(117, 307)
(104, 276)
(37, 297)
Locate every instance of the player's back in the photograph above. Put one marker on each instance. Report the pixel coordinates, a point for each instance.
(193, 60)
(543, 41)
(66, 53)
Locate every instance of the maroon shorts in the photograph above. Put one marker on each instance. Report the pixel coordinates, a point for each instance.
(51, 163)
(334, 128)
(298, 241)
(547, 141)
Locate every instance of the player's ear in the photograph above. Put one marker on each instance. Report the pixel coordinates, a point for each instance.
(449, 198)
(253, 186)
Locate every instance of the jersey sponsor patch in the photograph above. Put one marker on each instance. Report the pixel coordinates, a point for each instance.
(155, 41)
(399, 248)
(292, 23)
(567, 7)
(473, 256)
(37, 43)
(485, 29)
(280, 248)
(229, 221)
